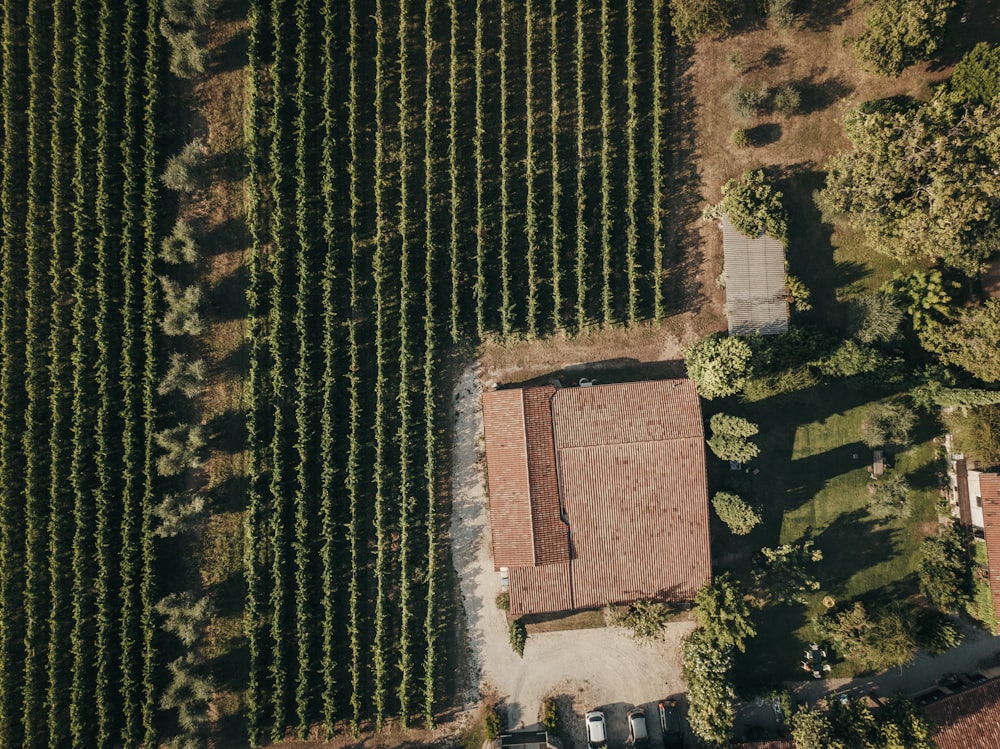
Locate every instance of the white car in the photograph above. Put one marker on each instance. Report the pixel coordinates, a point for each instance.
(597, 730)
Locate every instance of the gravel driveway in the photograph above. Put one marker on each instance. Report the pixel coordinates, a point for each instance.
(584, 669)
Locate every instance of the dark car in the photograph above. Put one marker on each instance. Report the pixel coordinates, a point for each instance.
(638, 736)
(671, 725)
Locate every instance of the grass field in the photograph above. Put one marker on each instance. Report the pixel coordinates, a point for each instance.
(812, 484)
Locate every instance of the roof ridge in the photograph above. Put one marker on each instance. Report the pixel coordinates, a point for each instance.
(527, 470)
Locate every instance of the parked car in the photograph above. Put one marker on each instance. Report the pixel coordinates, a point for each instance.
(671, 724)
(638, 736)
(597, 730)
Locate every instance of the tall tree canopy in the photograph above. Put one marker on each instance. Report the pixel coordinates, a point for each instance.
(899, 33)
(971, 341)
(923, 180)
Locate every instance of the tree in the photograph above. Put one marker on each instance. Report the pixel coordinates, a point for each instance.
(185, 616)
(738, 516)
(811, 729)
(784, 572)
(187, 56)
(977, 433)
(730, 435)
(936, 632)
(887, 423)
(899, 33)
(719, 365)
(858, 360)
(182, 316)
(976, 78)
(188, 692)
(797, 293)
(177, 513)
(945, 574)
(923, 181)
(876, 317)
(914, 728)
(180, 246)
(693, 19)
(179, 173)
(518, 636)
(924, 295)
(889, 497)
(182, 446)
(753, 205)
(787, 99)
(189, 12)
(970, 341)
(710, 695)
(722, 610)
(183, 375)
(874, 641)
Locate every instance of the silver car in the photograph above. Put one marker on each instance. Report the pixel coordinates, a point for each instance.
(597, 730)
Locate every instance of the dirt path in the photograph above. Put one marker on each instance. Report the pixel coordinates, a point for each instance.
(584, 668)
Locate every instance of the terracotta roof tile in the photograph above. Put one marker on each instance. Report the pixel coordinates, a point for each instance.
(626, 412)
(507, 471)
(627, 463)
(638, 518)
(550, 533)
(969, 719)
(989, 485)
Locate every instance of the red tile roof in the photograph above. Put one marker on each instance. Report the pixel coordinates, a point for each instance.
(969, 719)
(627, 463)
(989, 484)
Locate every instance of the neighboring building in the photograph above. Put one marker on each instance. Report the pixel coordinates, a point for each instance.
(969, 719)
(976, 495)
(597, 494)
(756, 298)
(527, 740)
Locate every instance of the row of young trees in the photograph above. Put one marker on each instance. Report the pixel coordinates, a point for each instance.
(80, 100)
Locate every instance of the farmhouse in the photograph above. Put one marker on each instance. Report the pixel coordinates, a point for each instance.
(756, 299)
(597, 494)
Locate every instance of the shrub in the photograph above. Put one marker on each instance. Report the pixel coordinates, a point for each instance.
(710, 693)
(876, 318)
(977, 433)
(493, 723)
(550, 715)
(503, 601)
(738, 516)
(936, 633)
(181, 316)
(798, 293)
(518, 636)
(781, 13)
(644, 619)
(177, 512)
(740, 138)
(889, 497)
(887, 423)
(178, 174)
(787, 99)
(746, 99)
(736, 62)
(182, 375)
(182, 446)
(180, 246)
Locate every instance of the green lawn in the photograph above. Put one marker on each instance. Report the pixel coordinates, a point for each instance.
(981, 607)
(812, 483)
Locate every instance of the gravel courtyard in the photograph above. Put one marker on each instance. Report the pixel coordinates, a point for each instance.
(584, 669)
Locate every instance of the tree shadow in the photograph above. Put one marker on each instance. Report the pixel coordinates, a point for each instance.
(765, 134)
(843, 555)
(774, 56)
(820, 95)
(820, 15)
(230, 55)
(227, 299)
(228, 431)
(231, 234)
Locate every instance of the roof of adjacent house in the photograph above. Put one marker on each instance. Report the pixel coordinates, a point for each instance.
(756, 300)
(989, 486)
(969, 719)
(629, 467)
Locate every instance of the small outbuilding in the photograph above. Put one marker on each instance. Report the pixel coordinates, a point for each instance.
(756, 297)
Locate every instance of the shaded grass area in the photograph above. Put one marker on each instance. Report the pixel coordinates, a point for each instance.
(557, 622)
(811, 482)
(981, 607)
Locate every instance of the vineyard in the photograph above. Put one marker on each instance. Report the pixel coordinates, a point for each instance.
(79, 194)
(420, 175)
